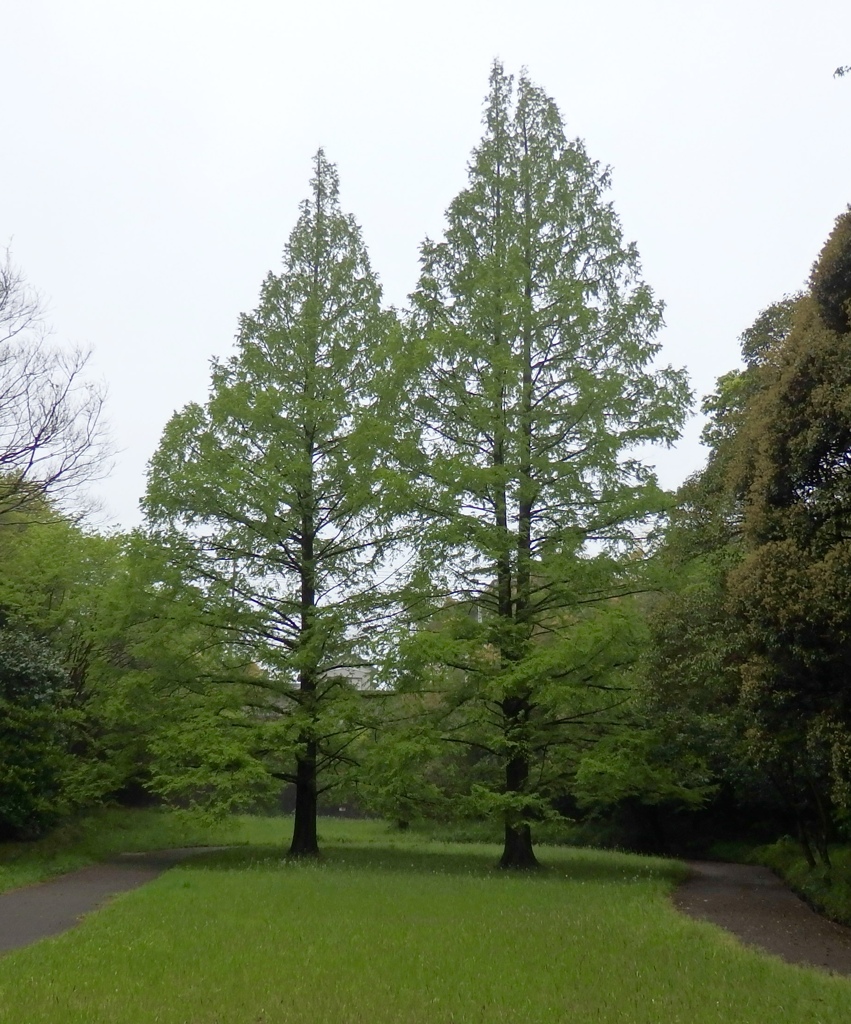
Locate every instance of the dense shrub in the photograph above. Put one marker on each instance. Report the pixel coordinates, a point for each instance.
(34, 734)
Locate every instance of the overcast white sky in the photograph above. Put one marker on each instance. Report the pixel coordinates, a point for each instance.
(154, 154)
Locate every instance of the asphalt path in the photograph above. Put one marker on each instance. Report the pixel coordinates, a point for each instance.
(753, 904)
(48, 908)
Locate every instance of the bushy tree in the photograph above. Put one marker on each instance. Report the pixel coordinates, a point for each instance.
(701, 667)
(750, 649)
(793, 584)
(830, 281)
(36, 727)
(67, 591)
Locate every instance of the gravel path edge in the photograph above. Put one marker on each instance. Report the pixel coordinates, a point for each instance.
(49, 908)
(756, 906)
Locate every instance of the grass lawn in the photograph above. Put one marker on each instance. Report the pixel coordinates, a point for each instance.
(397, 929)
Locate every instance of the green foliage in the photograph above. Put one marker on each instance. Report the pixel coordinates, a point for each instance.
(690, 682)
(401, 775)
(35, 728)
(751, 652)
(269, 504)
(56, 587)
(830, 281)
(792, 585)
(226, 751)
(530, 342)
(691, 693)
(634, 764)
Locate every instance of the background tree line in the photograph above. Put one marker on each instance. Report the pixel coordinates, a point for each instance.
(749, 652)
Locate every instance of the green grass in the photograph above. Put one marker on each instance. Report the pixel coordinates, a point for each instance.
(392, 928)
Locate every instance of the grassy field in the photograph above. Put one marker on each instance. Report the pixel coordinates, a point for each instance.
(391, 928)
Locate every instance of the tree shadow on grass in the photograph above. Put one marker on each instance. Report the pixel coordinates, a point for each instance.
(557, 866)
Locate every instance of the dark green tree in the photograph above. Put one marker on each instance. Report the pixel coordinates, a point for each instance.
(36, 727)
(830, 281)
(792, 587)
(705, 683)
(750, 651)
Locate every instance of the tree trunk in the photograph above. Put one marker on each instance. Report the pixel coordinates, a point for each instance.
(804, 840)
(823, 828)
(517, 851)
(305, 843)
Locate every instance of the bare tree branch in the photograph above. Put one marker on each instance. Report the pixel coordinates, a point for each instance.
(52, 437)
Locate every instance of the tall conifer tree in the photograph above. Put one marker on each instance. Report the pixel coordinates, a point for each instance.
(534, 333)
(267, 494)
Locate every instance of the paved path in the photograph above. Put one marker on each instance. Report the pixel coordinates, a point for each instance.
(48, 908)
(757, 907)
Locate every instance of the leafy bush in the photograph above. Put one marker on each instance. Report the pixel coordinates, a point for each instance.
(34, 726)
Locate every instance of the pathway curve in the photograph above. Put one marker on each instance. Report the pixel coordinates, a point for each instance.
(757, 907)
(51, 907)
